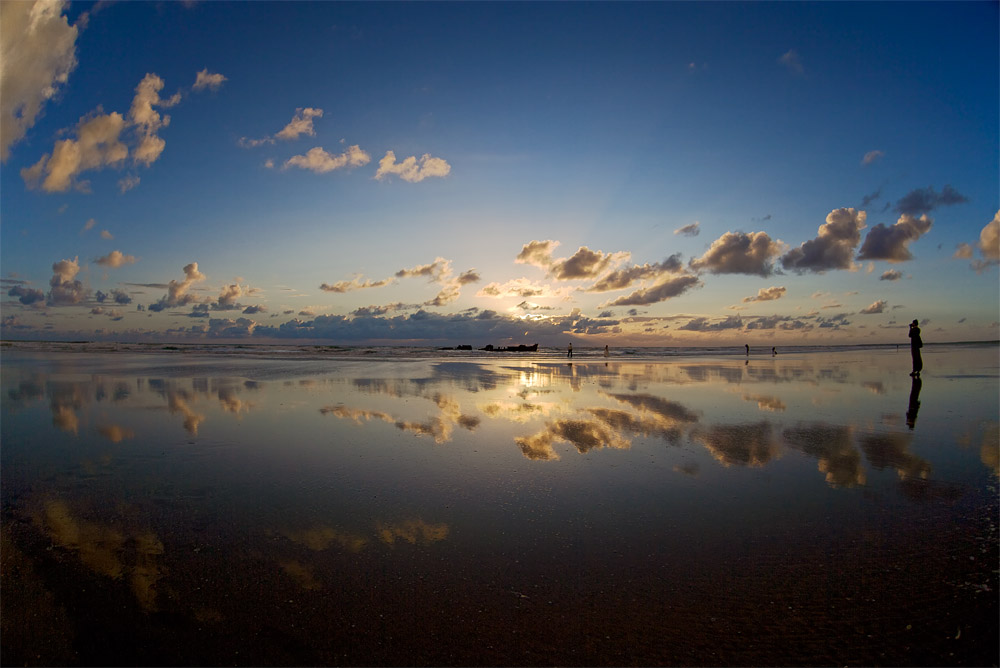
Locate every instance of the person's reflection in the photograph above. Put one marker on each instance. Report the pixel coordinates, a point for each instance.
(911, 411)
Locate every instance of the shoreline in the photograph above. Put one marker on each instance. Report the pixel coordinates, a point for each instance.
(313, 352)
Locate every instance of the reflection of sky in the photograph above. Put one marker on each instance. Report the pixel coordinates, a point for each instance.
(120, 469)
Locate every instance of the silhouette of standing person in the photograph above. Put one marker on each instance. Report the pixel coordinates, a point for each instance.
(569, 352)
(748, 348)
(915, 345)
(914, 405)
(606, 351)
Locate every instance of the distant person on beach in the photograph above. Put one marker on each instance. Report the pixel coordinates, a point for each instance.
(606, 351)
(569, 352)
(915, 345)
(773, 351)
(748, 349)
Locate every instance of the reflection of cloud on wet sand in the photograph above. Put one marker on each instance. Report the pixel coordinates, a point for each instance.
(989, 451)
(232, 403)
(65, 418)
(356, 415)
(584, 435)
(739, 444)
(672, 411)
(115, 433)
(414, 531)
(65, 399)
(643, 425)
(688, 468)
(834, 447)
(323, 538)
(764, 403)
(102, 549)
(874, 386)
(439, 427)
(517, 412)
(302, 574)
(890, 451)
(177, 403)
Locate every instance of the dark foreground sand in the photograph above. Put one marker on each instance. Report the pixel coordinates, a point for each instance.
(714, 513)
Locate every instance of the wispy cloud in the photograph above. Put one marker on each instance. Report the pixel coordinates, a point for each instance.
(925, 200)
(352, 285)
(692, 230)
(872, 156)
(205, 79)
(518, 287)
(792, 61)
(662, 290)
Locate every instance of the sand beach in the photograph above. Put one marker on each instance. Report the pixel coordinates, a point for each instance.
(809, 508)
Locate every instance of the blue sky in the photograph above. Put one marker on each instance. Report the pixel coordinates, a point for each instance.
(603, 173)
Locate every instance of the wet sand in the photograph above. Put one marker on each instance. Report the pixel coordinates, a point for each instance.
(804, 510)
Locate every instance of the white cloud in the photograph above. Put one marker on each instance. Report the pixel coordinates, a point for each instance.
(207, 80)
(147, 120)
(833, 248)
(767, 294)
(37, 55)
(65, 289)
(412, 169)
(98, 143)
(891, 243)
(177, 292)
(989, 239)
(876, 307)
(115, 259)
(319, 161)
(301, 124)
(537, 253)
(106, 235)
(586, 264)
(740, 253)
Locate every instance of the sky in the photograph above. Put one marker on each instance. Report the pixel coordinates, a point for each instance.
(623, 174)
